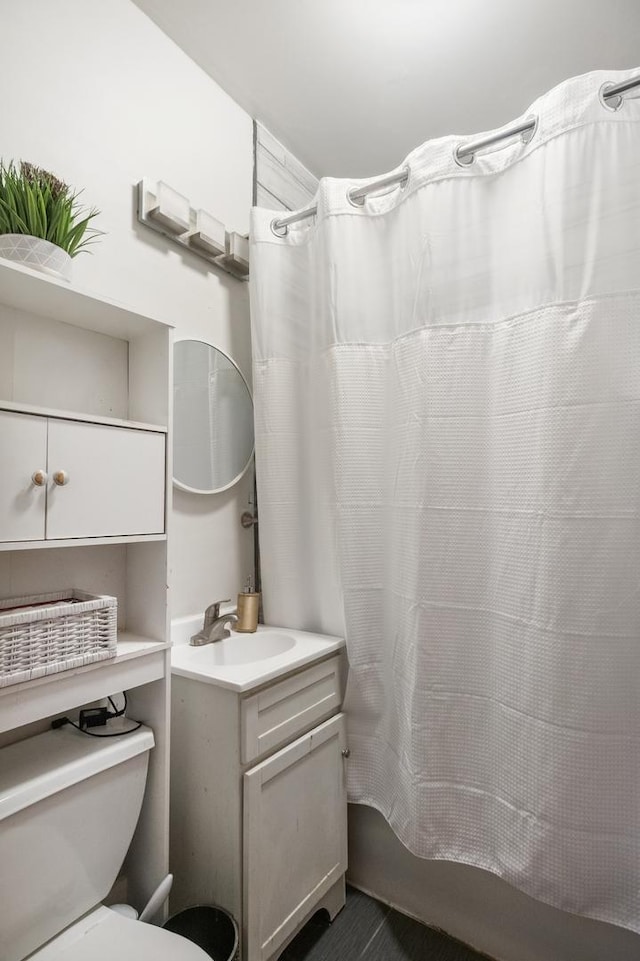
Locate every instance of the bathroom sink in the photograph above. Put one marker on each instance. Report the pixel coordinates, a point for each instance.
(244, 661)
(246, 648)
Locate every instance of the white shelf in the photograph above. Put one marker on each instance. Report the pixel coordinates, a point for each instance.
(81, 542)
(84, 418)
(28, 290)
(139, 660)
(63, 362)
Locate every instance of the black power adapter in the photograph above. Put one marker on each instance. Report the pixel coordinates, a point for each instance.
(98, 717)
(93, 717)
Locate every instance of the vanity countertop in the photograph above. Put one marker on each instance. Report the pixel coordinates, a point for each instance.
(243, 662)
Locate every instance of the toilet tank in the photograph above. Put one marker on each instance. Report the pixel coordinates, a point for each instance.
(69, 804)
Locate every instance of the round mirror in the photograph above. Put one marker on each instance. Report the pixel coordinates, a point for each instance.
(212, 419)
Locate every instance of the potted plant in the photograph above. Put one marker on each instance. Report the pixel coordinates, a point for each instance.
(41, 222)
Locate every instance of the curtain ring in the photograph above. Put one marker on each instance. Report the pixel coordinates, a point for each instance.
(278, 228)
(612, 103)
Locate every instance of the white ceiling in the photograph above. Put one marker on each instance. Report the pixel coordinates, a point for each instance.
(351, 86)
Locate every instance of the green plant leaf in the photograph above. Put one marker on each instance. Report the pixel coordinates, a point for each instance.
(16, 225)
(33, 201)
(41, 200)
(32, 212)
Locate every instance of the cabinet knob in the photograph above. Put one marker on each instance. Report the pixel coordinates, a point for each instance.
(39, 478)
(346, 752)
(61, 478)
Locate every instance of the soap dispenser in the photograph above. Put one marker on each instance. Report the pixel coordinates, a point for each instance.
(248, 607)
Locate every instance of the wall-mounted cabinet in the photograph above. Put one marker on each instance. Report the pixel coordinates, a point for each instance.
(69, 479)
(84, 447)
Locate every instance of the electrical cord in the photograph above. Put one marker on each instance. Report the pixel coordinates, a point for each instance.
(61, 721)
(118, 713)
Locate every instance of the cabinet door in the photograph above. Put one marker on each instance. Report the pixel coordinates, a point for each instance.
(23, 451)
(295, 835)
(114, 480)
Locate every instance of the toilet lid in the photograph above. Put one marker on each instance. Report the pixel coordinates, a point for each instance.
(104, 935)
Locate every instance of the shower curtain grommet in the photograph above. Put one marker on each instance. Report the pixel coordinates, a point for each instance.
(614, 103)
(466, 161)
(278, 229)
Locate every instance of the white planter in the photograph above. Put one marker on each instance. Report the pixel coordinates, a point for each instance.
(36, 253)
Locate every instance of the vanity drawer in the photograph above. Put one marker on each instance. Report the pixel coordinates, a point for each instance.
(284, 711)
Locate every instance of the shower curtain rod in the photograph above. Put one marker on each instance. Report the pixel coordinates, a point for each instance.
(610, 94)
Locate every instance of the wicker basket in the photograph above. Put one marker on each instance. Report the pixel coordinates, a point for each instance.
(46, 633)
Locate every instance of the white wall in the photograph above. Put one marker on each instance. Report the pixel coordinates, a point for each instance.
(96, 93)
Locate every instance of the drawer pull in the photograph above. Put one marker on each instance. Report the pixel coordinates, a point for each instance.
(61, 478)
(39, 478)
(346, 752)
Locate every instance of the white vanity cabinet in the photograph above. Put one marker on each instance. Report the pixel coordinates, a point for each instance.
(258, 802)
(73, 479)
(294, 837)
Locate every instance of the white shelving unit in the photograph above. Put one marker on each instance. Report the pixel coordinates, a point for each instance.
(88, 365)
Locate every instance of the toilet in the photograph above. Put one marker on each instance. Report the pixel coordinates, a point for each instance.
(69, 805)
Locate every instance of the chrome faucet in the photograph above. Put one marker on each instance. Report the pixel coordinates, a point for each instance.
(214, 628)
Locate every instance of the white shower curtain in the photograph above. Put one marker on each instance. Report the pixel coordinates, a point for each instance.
(447, 393)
